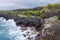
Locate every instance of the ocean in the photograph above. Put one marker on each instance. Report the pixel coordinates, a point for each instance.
(10, 31)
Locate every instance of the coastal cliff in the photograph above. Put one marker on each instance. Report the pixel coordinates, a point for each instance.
(36, 22)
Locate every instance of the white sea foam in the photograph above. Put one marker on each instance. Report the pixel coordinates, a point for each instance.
(10, 31)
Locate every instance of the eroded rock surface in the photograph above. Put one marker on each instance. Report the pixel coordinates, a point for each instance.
(51, 30)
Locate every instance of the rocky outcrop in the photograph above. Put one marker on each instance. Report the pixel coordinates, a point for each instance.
(51, 33)
(33, 21)
(51, 30)
(36, 22)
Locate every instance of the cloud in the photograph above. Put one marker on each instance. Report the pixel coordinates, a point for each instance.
(16, 4)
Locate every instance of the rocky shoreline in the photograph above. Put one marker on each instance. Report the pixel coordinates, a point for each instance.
(44, 31)
(33, 21)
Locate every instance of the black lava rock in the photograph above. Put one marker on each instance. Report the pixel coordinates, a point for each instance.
(33, 21)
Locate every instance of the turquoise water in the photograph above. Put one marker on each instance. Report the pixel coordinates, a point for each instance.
(10, 31)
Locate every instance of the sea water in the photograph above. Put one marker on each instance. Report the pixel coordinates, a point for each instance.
(10, 31)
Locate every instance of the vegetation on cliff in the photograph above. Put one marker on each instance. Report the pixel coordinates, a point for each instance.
(35, 12)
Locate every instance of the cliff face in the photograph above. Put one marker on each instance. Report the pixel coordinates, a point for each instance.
(51, 30)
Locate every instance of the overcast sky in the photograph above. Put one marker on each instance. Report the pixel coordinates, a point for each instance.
(16, 4)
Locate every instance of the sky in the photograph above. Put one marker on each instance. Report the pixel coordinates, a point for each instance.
(17, 4)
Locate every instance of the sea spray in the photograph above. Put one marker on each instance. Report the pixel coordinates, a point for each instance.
(10, 31)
